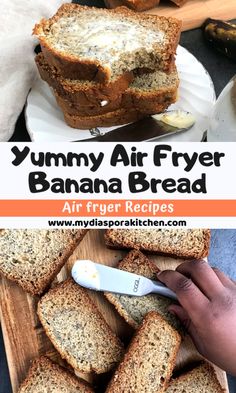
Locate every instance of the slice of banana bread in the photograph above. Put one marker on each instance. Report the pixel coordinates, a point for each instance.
(148, 364)
(33, 257)
(185, 243)
(77, 329)
(46, 376)
(134, 308)
(97, 44)
(201, 379)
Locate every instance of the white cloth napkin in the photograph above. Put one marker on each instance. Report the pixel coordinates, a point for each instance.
(17, 68)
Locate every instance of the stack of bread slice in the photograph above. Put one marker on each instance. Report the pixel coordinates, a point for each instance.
(108, 67)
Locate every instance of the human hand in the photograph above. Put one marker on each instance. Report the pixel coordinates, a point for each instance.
(207, 309)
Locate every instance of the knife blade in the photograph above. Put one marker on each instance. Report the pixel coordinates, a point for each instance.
(105, 278)
(149, 128)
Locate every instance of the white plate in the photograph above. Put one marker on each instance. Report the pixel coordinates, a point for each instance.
(45, 120)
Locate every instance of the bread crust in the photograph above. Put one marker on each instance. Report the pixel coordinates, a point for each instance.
(118, 117)
(44, 362)
(73, 67)
(59, 289)
(34, 289)
(111, 242)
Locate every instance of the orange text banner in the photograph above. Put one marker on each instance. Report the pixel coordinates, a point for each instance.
(117, 208)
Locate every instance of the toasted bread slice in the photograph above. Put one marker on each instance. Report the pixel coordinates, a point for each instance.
(200, 379)
(185, 243)
(77, 329)
(148, 364)
(97, 44)
(132, 308)
(33, 257)
(45, 376)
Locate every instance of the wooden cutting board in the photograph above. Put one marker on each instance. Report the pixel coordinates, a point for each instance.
(194, 12)
(25, 339)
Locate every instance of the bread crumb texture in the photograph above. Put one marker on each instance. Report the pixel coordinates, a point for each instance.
(133, 308)
(201, 379)
(45, 376)
(33, 257)
(78, 330)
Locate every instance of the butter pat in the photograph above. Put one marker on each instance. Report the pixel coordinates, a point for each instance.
(178, 119)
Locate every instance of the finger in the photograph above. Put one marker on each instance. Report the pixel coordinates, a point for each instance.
(181, 314)
(225, 280)
(203, 276)
(184, 318)
(189, 295)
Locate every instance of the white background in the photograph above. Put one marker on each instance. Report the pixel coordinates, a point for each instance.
(221, 183)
